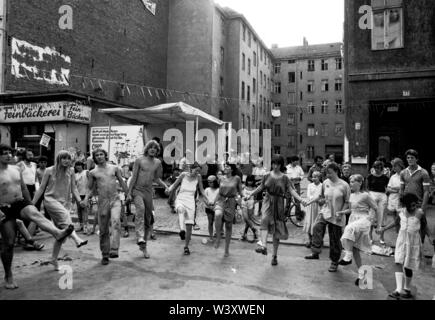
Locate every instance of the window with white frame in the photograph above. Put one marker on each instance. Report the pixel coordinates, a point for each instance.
(277, 67)
(311, 130)
(324, 64)
(291, 119)
(338, 63)
(338, 84)
(310, 152)
(325, 85)
(338, 106)
(387, 28)
(311, 107)
(277, 87)
(324, 106)
(310, 65)
(310, 86)
(339, 130)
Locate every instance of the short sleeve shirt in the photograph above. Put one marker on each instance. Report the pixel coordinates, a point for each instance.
(415, 182)
(336, 195)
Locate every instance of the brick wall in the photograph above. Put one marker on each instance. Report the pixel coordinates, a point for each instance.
(110, 39)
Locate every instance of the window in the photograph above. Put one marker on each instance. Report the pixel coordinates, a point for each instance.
(310, 65)
(261, 54)
(277, 67)
(324, 129)
(338, 63)
(292, 142)
(300, 95)
(338, 84)
(301, 75)
(387, 29)
(249, 39)
(244, 33)
(324, 65)
(324, 106)
(310, 130)
(253, 113)
(261, 78)
(277, 150)
(311, 107)
(243, 90)
(261, 128)
(248, 121)
(310, 152)
(249, 94)
(339, 130)
(254, 85)
(249, 66)
(338, 106)
(277, 87)
(325, 85)
(261, 100)
(291, 61)
(222, 56)
(291, 77)
(255, 59)
(300, 138)
(264, 102)
(291, 119)
(221, 91)
(268, 83)
(243, 61)
(221, 115)
(291, 98)
(277, 105)
(265, 82)
(310, 86)
(300, 117)
(277, 130)
(222, 24)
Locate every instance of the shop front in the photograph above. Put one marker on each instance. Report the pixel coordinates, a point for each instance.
(46, 127)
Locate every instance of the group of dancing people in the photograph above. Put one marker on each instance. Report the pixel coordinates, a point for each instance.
(335, 200)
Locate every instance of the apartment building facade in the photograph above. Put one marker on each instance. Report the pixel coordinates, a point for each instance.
(308, 99)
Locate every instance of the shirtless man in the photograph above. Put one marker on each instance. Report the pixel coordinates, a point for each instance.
(146, 170)
(15, 203)
(104, 176)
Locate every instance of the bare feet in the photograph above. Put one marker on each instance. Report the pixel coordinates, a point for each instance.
(217, 243)
(54, 263)
(10, 283)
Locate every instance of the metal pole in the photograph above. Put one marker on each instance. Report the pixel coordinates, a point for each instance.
(110, 131)
(196, 140)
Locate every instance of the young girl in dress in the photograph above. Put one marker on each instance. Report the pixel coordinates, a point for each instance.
(248, 207)
(211, 194)
(356, 235)
(314, 190)
(408, 245)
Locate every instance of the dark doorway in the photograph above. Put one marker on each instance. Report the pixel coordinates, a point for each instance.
(396, 126)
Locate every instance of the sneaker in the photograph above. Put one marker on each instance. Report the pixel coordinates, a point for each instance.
(406, 294)
(313, 256)
(343, 262)
(394, 295)
(262, 250)
(333, 267)
(196, 227)
(105, 261)
(244, 238)
(113, 255)
(182, 235)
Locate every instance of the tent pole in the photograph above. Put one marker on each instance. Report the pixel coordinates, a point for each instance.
(230, 129)
(110, 131)
(196, 140)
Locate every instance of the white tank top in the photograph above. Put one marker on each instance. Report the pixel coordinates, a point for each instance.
(29, 173)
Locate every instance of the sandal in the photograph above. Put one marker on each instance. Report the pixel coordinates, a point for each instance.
(186, 251)
(83, 243)
(244, 238)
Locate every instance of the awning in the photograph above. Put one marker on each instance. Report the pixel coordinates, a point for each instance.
(164, 113)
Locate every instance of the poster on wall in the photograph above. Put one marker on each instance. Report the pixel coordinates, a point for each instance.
(126, 142)
(45, 140)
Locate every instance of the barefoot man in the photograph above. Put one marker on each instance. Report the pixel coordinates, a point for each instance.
(109, 204)
(15, 203)
(146, 170)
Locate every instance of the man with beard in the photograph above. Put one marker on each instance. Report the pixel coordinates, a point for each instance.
(104, 176)
(15, 203)
(146, 170)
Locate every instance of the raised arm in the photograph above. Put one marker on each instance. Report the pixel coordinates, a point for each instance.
(42, 187)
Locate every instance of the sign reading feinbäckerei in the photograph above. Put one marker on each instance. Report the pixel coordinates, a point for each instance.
(45, 111)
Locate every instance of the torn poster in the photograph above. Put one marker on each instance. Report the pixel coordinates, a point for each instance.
(150, 5)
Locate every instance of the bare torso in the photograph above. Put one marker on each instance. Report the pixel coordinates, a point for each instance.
(10, 185)
(105, 178)
(149, 169)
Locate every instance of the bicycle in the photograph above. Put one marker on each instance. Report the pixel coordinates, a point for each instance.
(290, 214)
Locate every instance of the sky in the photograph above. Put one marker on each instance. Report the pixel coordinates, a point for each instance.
(287, 22)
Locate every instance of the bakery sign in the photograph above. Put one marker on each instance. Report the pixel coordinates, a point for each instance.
(46, 111)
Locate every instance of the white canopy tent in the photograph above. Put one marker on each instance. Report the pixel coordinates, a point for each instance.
(178, 112)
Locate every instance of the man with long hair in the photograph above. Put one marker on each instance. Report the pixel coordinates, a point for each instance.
(15, 203)
(104, 176)
(146, 170)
